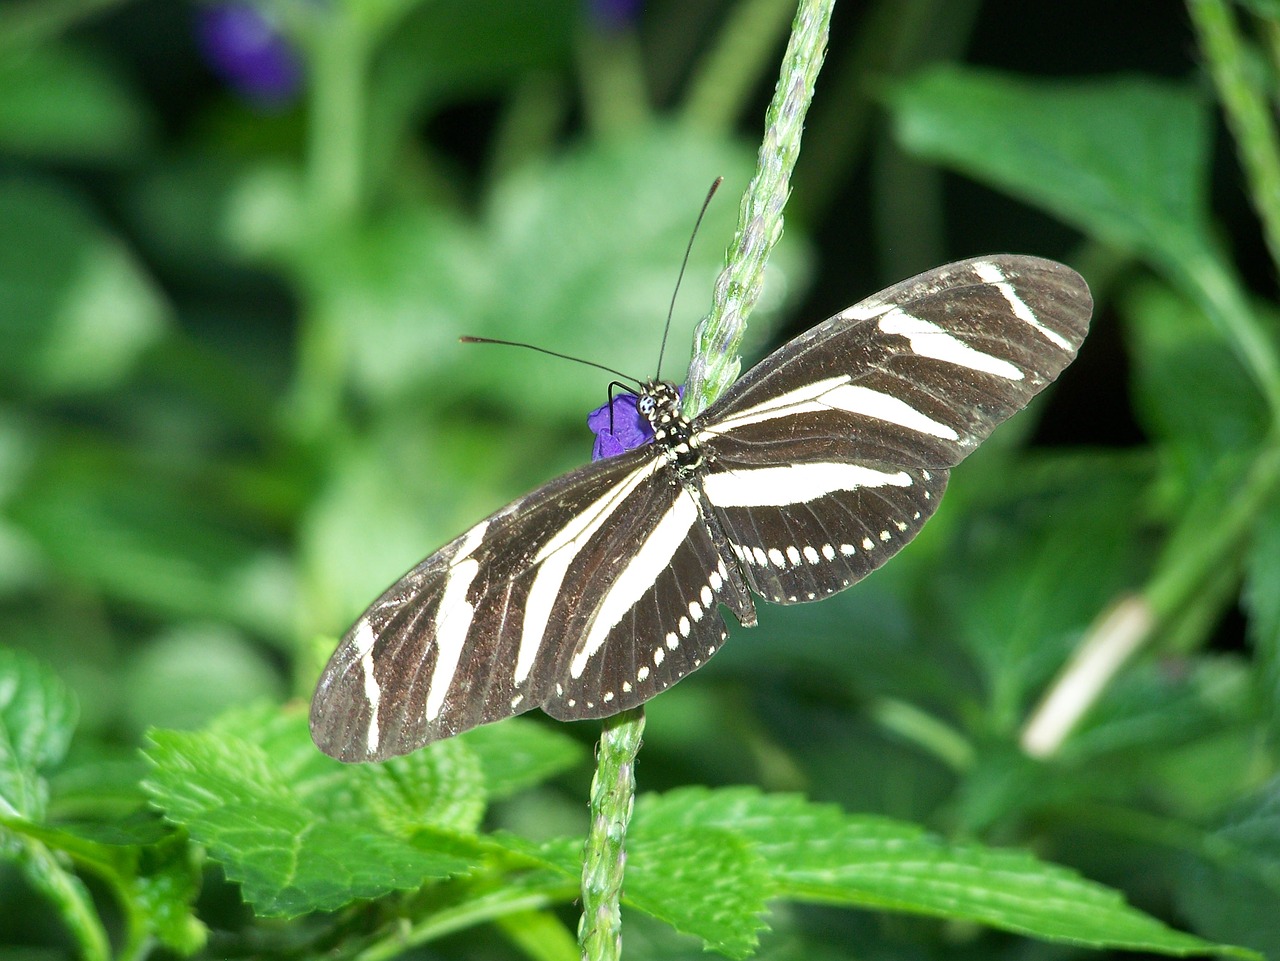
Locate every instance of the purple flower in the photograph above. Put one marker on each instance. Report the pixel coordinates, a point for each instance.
(611, 16)
(244, 47)
(630, 429)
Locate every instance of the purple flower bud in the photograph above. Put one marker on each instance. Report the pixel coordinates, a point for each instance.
(629, 427)
(244, 47)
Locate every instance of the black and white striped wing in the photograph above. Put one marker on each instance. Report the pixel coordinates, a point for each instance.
(827, 457)
(542, 604)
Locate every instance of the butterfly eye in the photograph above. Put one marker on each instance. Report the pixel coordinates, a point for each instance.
(646, 405)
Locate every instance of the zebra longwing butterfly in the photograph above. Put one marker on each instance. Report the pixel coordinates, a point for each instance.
(602, 588)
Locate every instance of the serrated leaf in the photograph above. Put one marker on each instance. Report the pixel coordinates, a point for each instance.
(37, 718)
(519, 753)
(818, 853)
(702, 881)
(1231, 890)
(440, 788)
(1122, 158)
(289, 858)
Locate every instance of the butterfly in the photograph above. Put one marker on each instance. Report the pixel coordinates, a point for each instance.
(602, 588)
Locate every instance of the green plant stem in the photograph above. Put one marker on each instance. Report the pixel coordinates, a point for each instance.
(1247, 110)
(713, 368)
(502, 903)
(1178, 580)
(336, 129)
(718, 338)
(725, 77)
(1181, 575)
(923, 729)
(604, 858)
(338, 55)
(613, 82)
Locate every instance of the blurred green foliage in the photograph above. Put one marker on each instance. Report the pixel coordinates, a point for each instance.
(233, 408)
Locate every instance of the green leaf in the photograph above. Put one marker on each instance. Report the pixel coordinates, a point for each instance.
(107, 522)
(1181, 361)
(78, 310)
(310, 844)
(1150, 708)
(43, 870)
(1122, 158)
(1231, 890)
(818, 853)
(702, 881)
(37, 718)
(520, 753)
(58, 103)
(1261, 602)
(1022, 581)
(153, 871)
(560, 258)
(191, 672)
(478, 46)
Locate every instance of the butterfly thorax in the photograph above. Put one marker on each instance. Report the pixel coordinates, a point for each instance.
(659, 404)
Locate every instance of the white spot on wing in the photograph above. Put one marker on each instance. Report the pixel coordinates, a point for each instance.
(810, 554)
(776, 557)
(793, 555)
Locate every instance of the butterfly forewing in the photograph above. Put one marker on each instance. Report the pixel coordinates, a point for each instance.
(602, 588)
(472, 634)
(826, 458)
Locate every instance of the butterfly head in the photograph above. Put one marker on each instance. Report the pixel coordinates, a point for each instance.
(659, 403)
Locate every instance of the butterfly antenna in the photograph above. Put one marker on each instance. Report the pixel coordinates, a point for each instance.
(685, 263)
(543, 350)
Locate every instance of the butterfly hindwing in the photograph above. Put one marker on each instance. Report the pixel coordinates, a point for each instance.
(656, 615)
